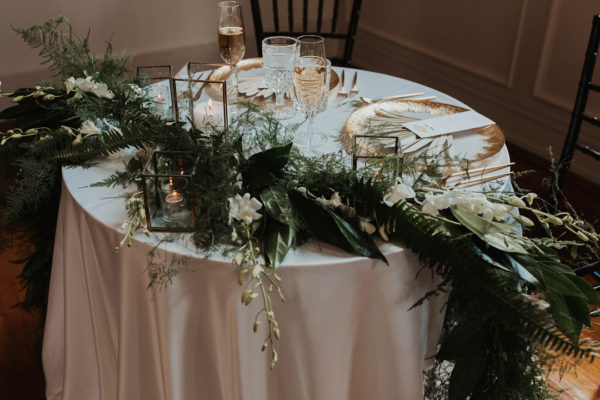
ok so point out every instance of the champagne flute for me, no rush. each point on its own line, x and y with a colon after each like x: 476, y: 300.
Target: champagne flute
x: 314, y: 45
x: 231, y: 38
x: 310, y: 74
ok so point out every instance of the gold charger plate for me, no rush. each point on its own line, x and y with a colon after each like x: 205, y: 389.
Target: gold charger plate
x: 473, y: 145
x: 251, y: 68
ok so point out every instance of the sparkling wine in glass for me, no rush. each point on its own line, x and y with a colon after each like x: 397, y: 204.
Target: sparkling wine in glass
x: 310, y: 73
x: 231, y: 36
x: 279, y: 53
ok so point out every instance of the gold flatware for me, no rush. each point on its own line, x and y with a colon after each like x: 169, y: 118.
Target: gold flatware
x: 400, y: 96
x: 354, y: 90
x: 476, y: 171
x: 342, y: 91
x: 426, y: 98
x: 480, y: 180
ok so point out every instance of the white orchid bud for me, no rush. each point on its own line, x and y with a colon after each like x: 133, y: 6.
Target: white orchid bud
x: 276, y: 332
x: 31, y: 131
x: 264, y: 346
x: 241, y: 276
x: 48, y: 97
x: 256, y: 325
x: 582, y: 236
x: 238, y: 259
x: 38, y: 93
x: 383, y: 234
x: 568, y: 219
x: 523, y: 220
x: 302, y: 190
x: 515, y: 201
x: 530, y: 197
x: 554, y: 220
x: 17, y: 99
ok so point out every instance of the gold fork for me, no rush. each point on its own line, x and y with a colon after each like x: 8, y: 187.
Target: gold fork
x: 354, y: 90
x: 342, y: 92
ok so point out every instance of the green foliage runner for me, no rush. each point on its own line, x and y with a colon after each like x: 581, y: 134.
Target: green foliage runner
x: 514, y: 299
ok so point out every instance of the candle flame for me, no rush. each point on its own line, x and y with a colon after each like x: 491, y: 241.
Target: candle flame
x: 210, y: 106
x: 171, y: 181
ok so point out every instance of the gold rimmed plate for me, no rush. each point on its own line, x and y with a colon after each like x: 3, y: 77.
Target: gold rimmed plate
x: 385, y: 119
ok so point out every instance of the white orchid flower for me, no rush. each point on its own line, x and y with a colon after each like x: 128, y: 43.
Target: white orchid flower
x: 87, y: 85
x: 429, y: 208
x: 366, y: 226
x: 244, y: 208
x: 335, y: 201
x: 399, y: 191
x: 89, y: 128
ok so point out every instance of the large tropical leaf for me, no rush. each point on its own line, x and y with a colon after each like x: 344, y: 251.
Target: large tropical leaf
x: 465, y: 376
x: 562, y: 316
x: 277, y: 203
x: 329, y: 227
x: 493, y: 233
x: 264, y: 168
x: 278, y: 239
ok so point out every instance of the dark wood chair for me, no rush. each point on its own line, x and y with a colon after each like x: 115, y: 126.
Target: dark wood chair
x: 327, y: 31
x: 579, y: 115
x: 572, y: 140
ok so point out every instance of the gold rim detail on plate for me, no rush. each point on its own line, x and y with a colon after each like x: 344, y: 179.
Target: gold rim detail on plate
x: 491, y: 138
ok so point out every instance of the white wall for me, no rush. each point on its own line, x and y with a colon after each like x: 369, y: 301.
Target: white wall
x: 157, y: 31
x: 517, y: 61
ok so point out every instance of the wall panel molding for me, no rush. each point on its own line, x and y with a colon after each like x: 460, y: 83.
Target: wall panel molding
x: 539, y: 89
x: 504, y: 80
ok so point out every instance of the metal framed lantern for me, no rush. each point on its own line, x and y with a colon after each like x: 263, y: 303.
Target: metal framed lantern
x: 370, y: 148
x: 168, y: 186
x: 160, y: 88
x: 203, y: 94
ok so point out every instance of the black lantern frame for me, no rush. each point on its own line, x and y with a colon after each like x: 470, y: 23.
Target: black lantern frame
x: 165, y: 172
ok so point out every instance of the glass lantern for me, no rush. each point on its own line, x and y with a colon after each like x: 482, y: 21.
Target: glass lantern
x: 168, y: 186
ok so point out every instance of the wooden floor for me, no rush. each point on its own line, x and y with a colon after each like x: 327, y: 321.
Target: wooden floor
x: 21, y: 374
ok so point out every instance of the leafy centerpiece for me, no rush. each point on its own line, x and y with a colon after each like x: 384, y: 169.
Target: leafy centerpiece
x: 513, y: 298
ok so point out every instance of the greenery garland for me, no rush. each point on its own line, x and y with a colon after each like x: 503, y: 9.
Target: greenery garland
x: 514, y: 298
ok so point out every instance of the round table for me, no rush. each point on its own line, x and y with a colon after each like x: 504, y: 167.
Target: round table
x: 347, y: 330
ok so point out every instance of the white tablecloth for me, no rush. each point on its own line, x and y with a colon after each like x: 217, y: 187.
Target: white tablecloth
x: 346, y: 328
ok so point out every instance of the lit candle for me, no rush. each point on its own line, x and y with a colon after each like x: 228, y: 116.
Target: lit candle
x: 174, y: 206
x: 159, y: 98
x: 207, y: 113
x: 174, y: 198
x: 161, y: 106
